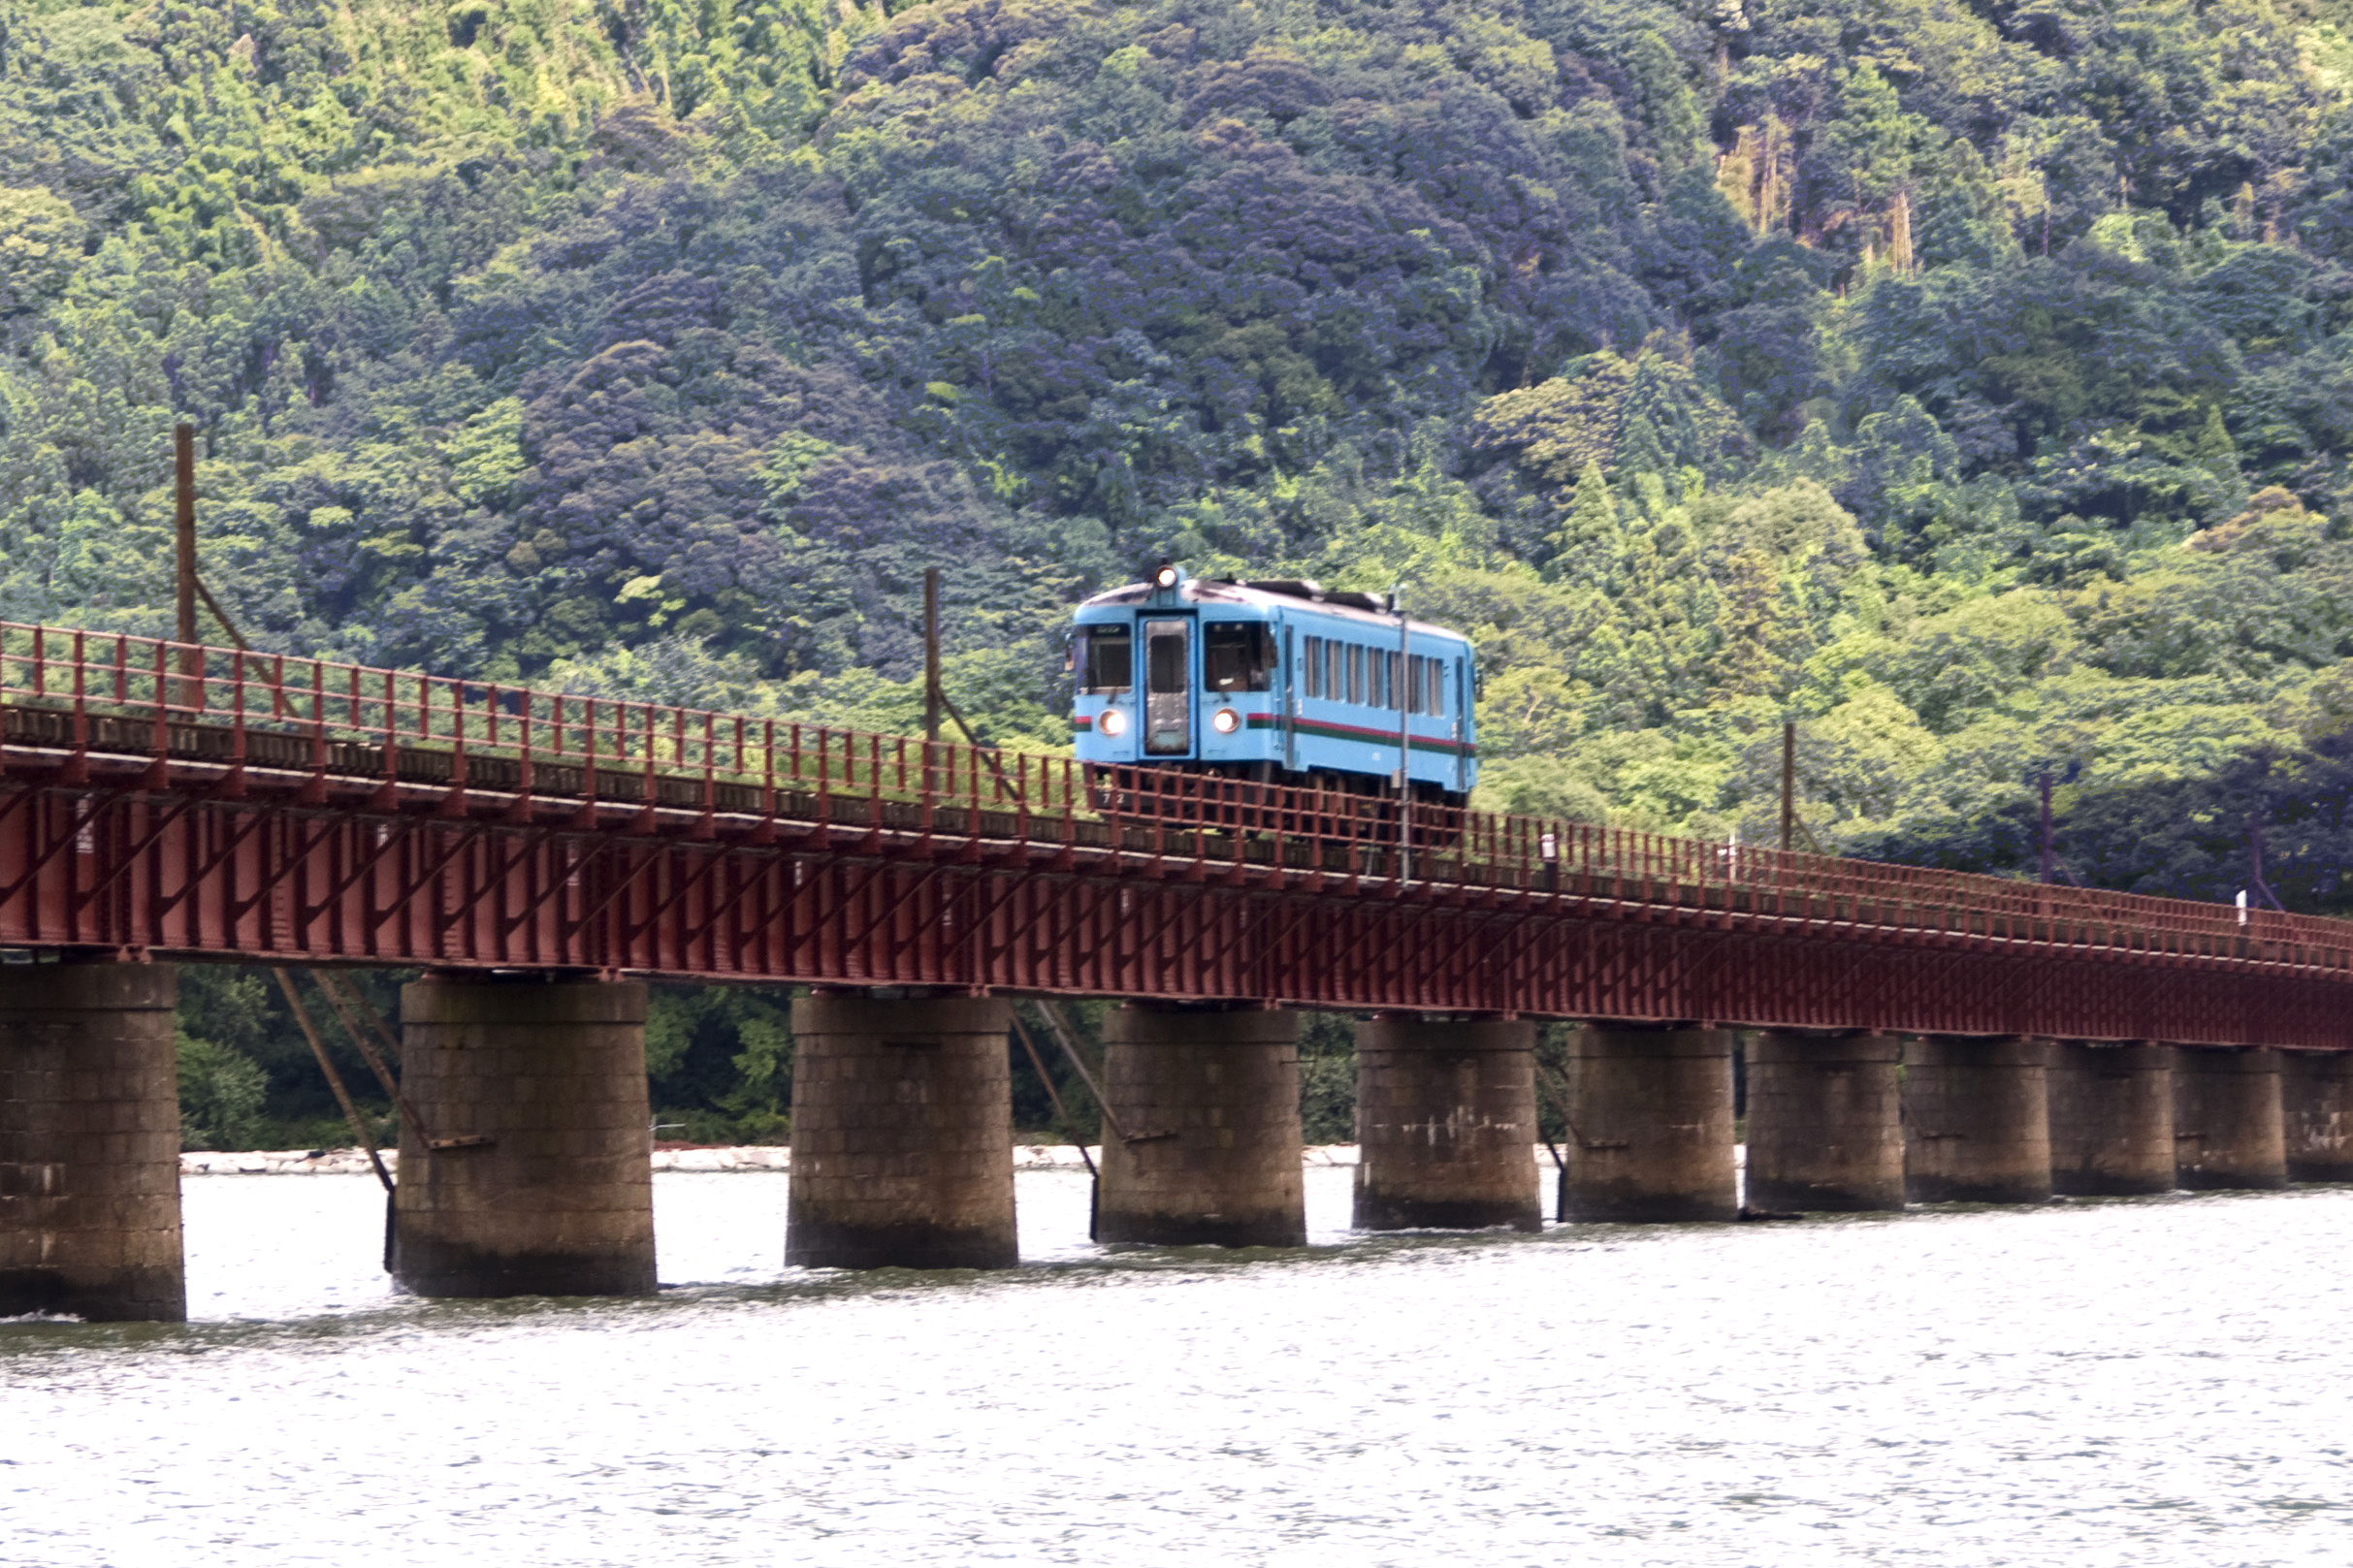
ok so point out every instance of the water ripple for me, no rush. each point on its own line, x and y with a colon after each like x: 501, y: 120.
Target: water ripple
x: 2144, y: 1382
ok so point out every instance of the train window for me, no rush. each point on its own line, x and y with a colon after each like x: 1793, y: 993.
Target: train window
x: 1437, y: 685
x: 1237, y: 656
x: 1356, y: 672
x: 1334, y: 690
x: 1108, y: 657
x: 1165, y: 653
x: 1311, y: 666
x: 1391, y: 686
x: 1422, y: 684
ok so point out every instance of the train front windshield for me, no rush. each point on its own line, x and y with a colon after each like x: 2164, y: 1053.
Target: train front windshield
x: 1109, y: 664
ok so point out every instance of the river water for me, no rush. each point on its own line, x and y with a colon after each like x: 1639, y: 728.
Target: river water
x: 2139, y: 1382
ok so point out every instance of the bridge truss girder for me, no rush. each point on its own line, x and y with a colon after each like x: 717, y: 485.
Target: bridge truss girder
x: 213, y: 865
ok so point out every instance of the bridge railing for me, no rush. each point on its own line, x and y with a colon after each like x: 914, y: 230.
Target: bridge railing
x: 1456, y: 844
x: 122, y: 694
x: 283, y: 711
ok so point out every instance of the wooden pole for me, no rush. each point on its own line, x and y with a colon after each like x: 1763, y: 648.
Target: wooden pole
x: 1788, y: 788
x: 1060, y: 1028
x: 935, y: 692
x: 183, y: 466
x: 1061, y: 1111
x: 360, y: 1133
x: 2047, y: 856
x: 184, y: 530
x: 1402, y: 689
x: 931, y: 653
x: 1070, y: 1129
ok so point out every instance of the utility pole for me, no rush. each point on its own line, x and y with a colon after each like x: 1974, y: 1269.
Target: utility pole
x: 2254, y: 847
x: 184, y: 528
x: 931, y: 653
x: 183, y: 474
x: 1788, y: 786
x: 936, y: 705
x: 1402, y: 689
x: 2049, y: 859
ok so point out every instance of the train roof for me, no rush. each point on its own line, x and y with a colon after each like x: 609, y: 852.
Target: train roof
x: 1370, y: 611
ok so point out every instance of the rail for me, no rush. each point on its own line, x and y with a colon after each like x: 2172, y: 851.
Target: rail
x: 93, y: 692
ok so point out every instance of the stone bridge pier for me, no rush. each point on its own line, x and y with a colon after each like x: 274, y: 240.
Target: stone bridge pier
x: 531, y: 1173
x: 1446, y: 1125
x: 90, y: 1143
x: 1976, y: 1120
x: 902, y: 1134
x: 2316, y: 1104
x: 2227, y: 1128
x: 2112, y: 1118
x: 1825, y: 1121
x: 1207, y: 1098
x: 1651, y: 1124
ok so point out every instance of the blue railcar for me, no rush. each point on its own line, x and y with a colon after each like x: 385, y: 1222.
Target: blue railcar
x: 1277, y: 682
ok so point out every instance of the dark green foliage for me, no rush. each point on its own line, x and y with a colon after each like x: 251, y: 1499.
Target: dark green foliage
x: 718, y: 1060
x: 2189, y: 838
x: 1866, y: 364
x: 248, y: 1079
x: 1327, y: 1079
x: 221, y: 1090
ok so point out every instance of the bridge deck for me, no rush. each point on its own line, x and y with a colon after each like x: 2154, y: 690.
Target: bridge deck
x: 200, y: 801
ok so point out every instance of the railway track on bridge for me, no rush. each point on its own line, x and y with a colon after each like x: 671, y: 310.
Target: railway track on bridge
x: 1919, y: 1035
x: 191, y: 801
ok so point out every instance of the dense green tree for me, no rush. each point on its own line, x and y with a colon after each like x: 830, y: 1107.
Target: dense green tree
x: 1968, y: 382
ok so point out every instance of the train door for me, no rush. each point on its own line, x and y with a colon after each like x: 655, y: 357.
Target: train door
x: 1461, y: 724
x: 1168, y: 688
x: 1290, y: 705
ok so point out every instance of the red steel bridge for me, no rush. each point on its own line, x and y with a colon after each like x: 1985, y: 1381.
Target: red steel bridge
x: 184, y: 801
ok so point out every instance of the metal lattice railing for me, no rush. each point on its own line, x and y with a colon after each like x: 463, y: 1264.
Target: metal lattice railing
x: 115, y: 693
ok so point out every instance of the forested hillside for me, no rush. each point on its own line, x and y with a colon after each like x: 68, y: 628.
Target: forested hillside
x: 1970, y: 382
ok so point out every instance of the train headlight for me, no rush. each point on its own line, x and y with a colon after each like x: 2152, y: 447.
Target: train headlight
x: 1166, y: 577
x: 1114, y: 722
x: 1225, y: 721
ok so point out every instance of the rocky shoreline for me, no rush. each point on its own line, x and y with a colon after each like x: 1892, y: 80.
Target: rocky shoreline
x: 353, y: 1162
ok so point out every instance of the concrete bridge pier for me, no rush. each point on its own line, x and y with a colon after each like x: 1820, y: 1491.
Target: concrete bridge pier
x: 1976, y: 1120
x: 1209, y: 1099
x: 2228, y: 1130
x: 558, y: 1197
x: 1825, y: 1121
x: 1446, y: 1125
x: 90, y: 1143
x: 2112, y: 1118
x: 902, y: 1134
x: 1652, y: 1133
x: 2316, y: 1104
